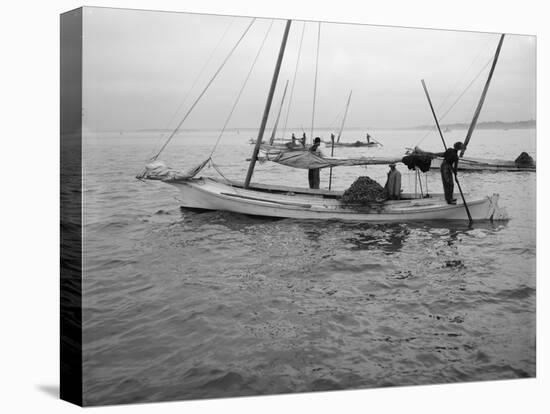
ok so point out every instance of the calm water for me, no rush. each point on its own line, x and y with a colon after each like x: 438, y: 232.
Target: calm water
x: 182, y: 305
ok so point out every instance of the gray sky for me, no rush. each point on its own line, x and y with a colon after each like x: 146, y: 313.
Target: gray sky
x: 139, y: 67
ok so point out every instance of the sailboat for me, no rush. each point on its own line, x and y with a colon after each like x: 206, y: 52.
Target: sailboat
x: 294, y: 143
x: 369, y: 141
x: 303, y: 203
x: 357, y: 144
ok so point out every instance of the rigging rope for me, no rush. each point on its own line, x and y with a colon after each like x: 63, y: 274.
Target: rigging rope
x: 241, y: 91
x: 315, y: 84
x: 204, y: 90
x: 459, y: 81
x: 274, y: 130
x: 457, y: 99
x: 199, y: 75
x: 336, y: 120
x: 294, y: 79
x: 220, y: 173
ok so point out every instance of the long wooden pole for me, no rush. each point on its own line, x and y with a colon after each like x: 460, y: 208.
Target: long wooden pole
x: 272, y: 138
x: 445, y: 146
x: 433, y: 113
x: 482, y: 99
x: 267, y: 106
x: 339, y: 135
x: 344, y: 118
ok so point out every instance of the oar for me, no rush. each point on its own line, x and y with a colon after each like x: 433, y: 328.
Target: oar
x: 445, y: 146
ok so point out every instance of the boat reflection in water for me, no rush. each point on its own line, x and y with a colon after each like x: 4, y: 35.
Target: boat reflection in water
x: 390, y: 238
x: 333, y: 235
x: 386, y: 238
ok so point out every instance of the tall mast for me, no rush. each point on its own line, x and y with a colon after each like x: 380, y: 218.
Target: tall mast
x: 315, y: 83
x: 267, y: 106
x: 344, y: 118
x: 278, y: 116
x: 482, y: 99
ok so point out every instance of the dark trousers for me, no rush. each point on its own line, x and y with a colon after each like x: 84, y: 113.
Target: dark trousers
x: 448, y: 183
x: 314, y: 178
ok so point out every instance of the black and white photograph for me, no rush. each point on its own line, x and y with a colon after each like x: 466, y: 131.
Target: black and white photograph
x: 275, y: 206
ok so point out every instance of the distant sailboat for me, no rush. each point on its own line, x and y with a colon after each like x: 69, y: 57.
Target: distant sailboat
x: 369, y: 141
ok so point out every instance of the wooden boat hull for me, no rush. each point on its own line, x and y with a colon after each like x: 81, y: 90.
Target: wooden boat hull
x: 284, y: 147
x: 281, y: 144
x: 357, y: 144
x: 210, y: 194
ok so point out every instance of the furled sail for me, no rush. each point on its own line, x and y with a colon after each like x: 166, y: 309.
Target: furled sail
x: 307, y: 160
x: 158, y: 170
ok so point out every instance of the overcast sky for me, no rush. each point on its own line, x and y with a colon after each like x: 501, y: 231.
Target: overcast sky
x: 139, y: 67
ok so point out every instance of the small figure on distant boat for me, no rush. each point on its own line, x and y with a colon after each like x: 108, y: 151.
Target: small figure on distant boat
x: 393, y: 183
x: 449, y: 167
x: 368, y: 138
x: 293, y: 139
x: 314, y: 176
x: 303, y: 140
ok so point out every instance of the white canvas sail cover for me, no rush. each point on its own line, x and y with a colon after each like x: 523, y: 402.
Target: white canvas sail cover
x: 158, y: 170
x: 307, y: 160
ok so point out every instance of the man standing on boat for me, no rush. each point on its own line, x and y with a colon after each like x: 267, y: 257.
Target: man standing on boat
x: 449, y: 167
x: 393, y: 183
x: 314, y: 176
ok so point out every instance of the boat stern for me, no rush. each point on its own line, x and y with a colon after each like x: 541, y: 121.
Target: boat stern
x: 495, y: 212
